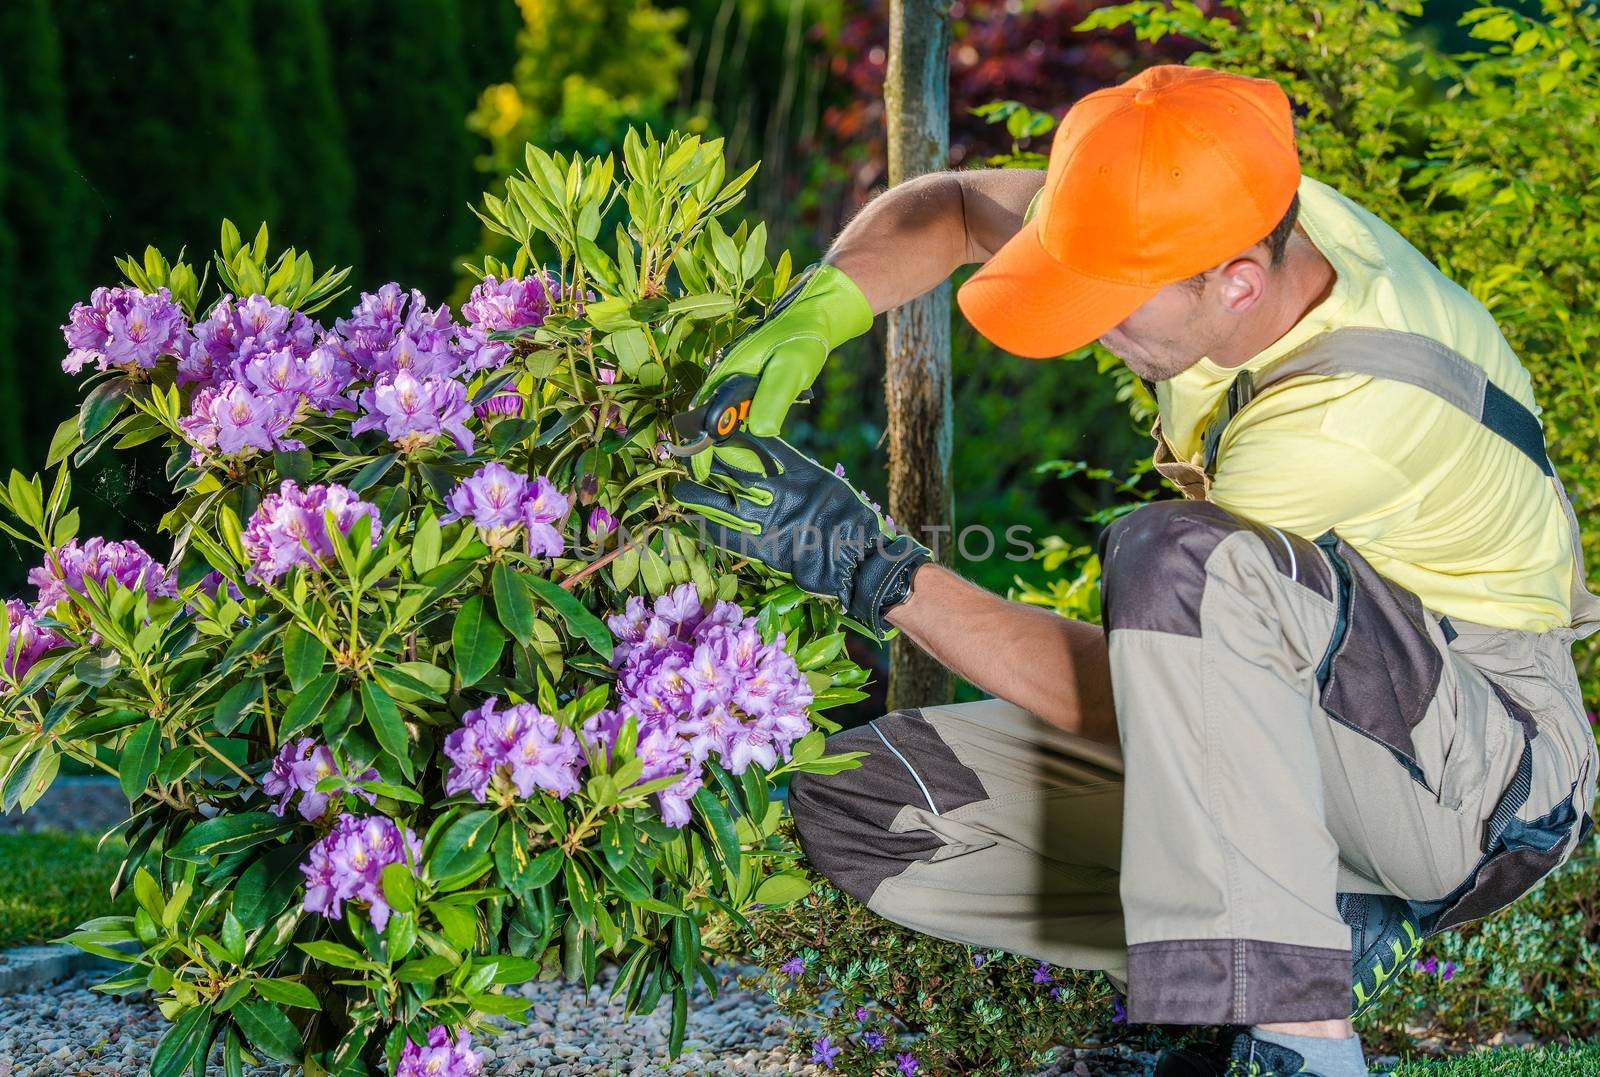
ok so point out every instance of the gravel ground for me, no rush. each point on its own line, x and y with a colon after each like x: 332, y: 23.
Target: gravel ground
x: 68, y: 1029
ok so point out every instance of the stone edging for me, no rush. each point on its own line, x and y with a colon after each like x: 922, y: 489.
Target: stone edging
x: 30, y: 968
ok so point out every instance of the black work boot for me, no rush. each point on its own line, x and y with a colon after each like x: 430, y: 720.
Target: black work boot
x: 1238, y: 1055
x: 1384, y: 936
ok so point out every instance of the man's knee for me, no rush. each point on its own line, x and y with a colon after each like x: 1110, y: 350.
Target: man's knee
x: 1154, y: 562
x: 844, y: 820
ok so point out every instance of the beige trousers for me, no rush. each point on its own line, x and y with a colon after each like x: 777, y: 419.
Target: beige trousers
x: 1293, y: 726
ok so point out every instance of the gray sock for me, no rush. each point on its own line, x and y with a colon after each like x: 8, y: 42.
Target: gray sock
x: 1329, y: 1058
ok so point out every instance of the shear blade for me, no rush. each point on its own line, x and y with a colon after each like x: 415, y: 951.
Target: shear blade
x: 698, y: 445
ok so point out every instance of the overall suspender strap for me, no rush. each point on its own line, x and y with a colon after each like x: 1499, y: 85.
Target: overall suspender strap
x: 1428, y: 365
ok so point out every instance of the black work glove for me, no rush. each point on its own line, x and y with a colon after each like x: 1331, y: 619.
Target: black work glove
x: 800, y: 519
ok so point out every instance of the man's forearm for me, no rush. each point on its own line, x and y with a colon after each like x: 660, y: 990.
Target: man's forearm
x: 1055, y: 667
x: 904, y: 243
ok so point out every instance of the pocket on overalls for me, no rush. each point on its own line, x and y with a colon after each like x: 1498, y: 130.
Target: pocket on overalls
x: 1382, y: 668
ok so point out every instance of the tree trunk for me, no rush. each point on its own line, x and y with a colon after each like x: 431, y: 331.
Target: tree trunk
x: 917, y: 376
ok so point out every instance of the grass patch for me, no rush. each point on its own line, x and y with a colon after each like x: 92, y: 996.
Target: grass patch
x: 1581, y: 1061
x: 51, y: 882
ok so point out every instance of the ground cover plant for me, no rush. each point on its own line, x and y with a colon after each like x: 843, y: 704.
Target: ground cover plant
x: 52, y: 882
x: 434, y: 689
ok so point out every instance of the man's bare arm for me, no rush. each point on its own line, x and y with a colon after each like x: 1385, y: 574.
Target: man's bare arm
x: 908, y: 240
x: 1057, y: 668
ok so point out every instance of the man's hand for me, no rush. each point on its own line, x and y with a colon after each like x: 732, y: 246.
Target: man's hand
x: 787, y: 348
x: 802, y: 520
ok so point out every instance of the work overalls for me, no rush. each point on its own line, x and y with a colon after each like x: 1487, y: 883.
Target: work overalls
x: 1293, y: 726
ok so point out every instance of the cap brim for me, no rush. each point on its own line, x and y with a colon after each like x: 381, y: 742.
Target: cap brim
x: 1031, y: 305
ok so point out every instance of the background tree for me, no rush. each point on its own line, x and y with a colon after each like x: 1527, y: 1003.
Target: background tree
x: 917, y: 380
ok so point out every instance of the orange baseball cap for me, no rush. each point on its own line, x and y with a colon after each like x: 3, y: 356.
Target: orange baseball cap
x: 1150, y: 183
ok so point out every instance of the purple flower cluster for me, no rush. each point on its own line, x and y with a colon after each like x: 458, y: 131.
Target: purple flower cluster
x: 66, y: 569
x: 519, y: 746
x: 347, y: 865
x: 700, y: 683
x: 26, y: 642
x: 500, y: 502
x: 439, y: 1057
x: 415, y: 358
x: 123, y: 327
x: 1432, y: 966
x: 298, y: 767
x: 793, y: 968
x: 260, y: 367
x: 290, y: 528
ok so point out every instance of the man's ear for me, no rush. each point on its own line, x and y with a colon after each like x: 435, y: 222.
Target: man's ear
x: 1242, y: 283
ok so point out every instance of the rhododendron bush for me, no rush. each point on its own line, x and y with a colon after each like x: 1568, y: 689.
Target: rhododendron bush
x: 434, y: 689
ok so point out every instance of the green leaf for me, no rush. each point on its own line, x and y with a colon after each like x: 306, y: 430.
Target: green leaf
x: 400, y: 887
x: 716, y: 817
x: 478, y: 641
x: 230, y: 709
x: 306, y: 707
x: 425, y: 545
x: 266, y: 887
x: 183, y: 1041
x: 631, y: 349
x: 384, y: 718
x: 460, y: 923
x: 372, y: 472
x: 783, y: 888
x: 268, y: 1029
x: 579, y: 619
x: 140, y: 753
x: 424, y: 969
x: 465, y: 846
x: 228, y: 834
x: 288, y: 993
x: 705, y: 305
x: 335, y: 954
x: 513, y: 603
x: 303, y: 656
x: 102, y: 406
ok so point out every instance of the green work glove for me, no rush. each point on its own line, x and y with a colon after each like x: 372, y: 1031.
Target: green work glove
x: 786, y: 349
x: 802, y: 520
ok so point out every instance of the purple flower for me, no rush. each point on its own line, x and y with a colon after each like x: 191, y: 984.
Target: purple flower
x: 906, y: 1063
x: 823, y: 1052
x: 601, y: 523
x: 978, y: 960
x: 231, y: 420
x: 543, y: 508
x: 1041, y: 975
x: 520, y: 747
x: 1119, y: 1013
x: 123, y: 327
x: 862, y: 1014
x: 1430, y: 966
x: 1449, y: 971
x: 493, y: 498
x: 68, y: 566
x: 1055, y: 994
x: 347, y: 865
x: 233, y: 334
x: 510, y: 304
x: 414, y: 411
x: 440, y: 1057
x: 289, y: 527
x: 794, y: 967
x: 26, y: 641
x: 392, y: 331
x: 298, y: 767
x: 499, y: 406
x: 873, y: 1040
x: 701, y: 685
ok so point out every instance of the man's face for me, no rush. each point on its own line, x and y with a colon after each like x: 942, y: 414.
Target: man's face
x: 1169, y: 333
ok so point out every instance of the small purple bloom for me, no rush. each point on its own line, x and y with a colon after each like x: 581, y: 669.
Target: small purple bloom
x: 794, y: 967
x: 290, y: 528
x: 1431, y: 965
x: 601, y: 523
x: 298, y: 767
x: 1448, y: 972
x: 1119, y: 1013
x: 124, y: 327
x: 414, y: 411
x: 347, y: 865
x: 978, y: 961
x: 520, y: 746
x: 1055, y: 994
x: 823, y: 1052
x: 499, y: 406
x: 1041, y: 975
x: 862, y: 1014
x: 69, y: 565
x: 509, y: 304
x: 440, y: 1057
x: 26, y: 641
x: 544, y: 507
x: 906, y: 1063
x: 493, y: 498
x: 873, y: 1040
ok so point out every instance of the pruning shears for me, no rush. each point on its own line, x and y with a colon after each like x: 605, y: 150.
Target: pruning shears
x: 719, y: 418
